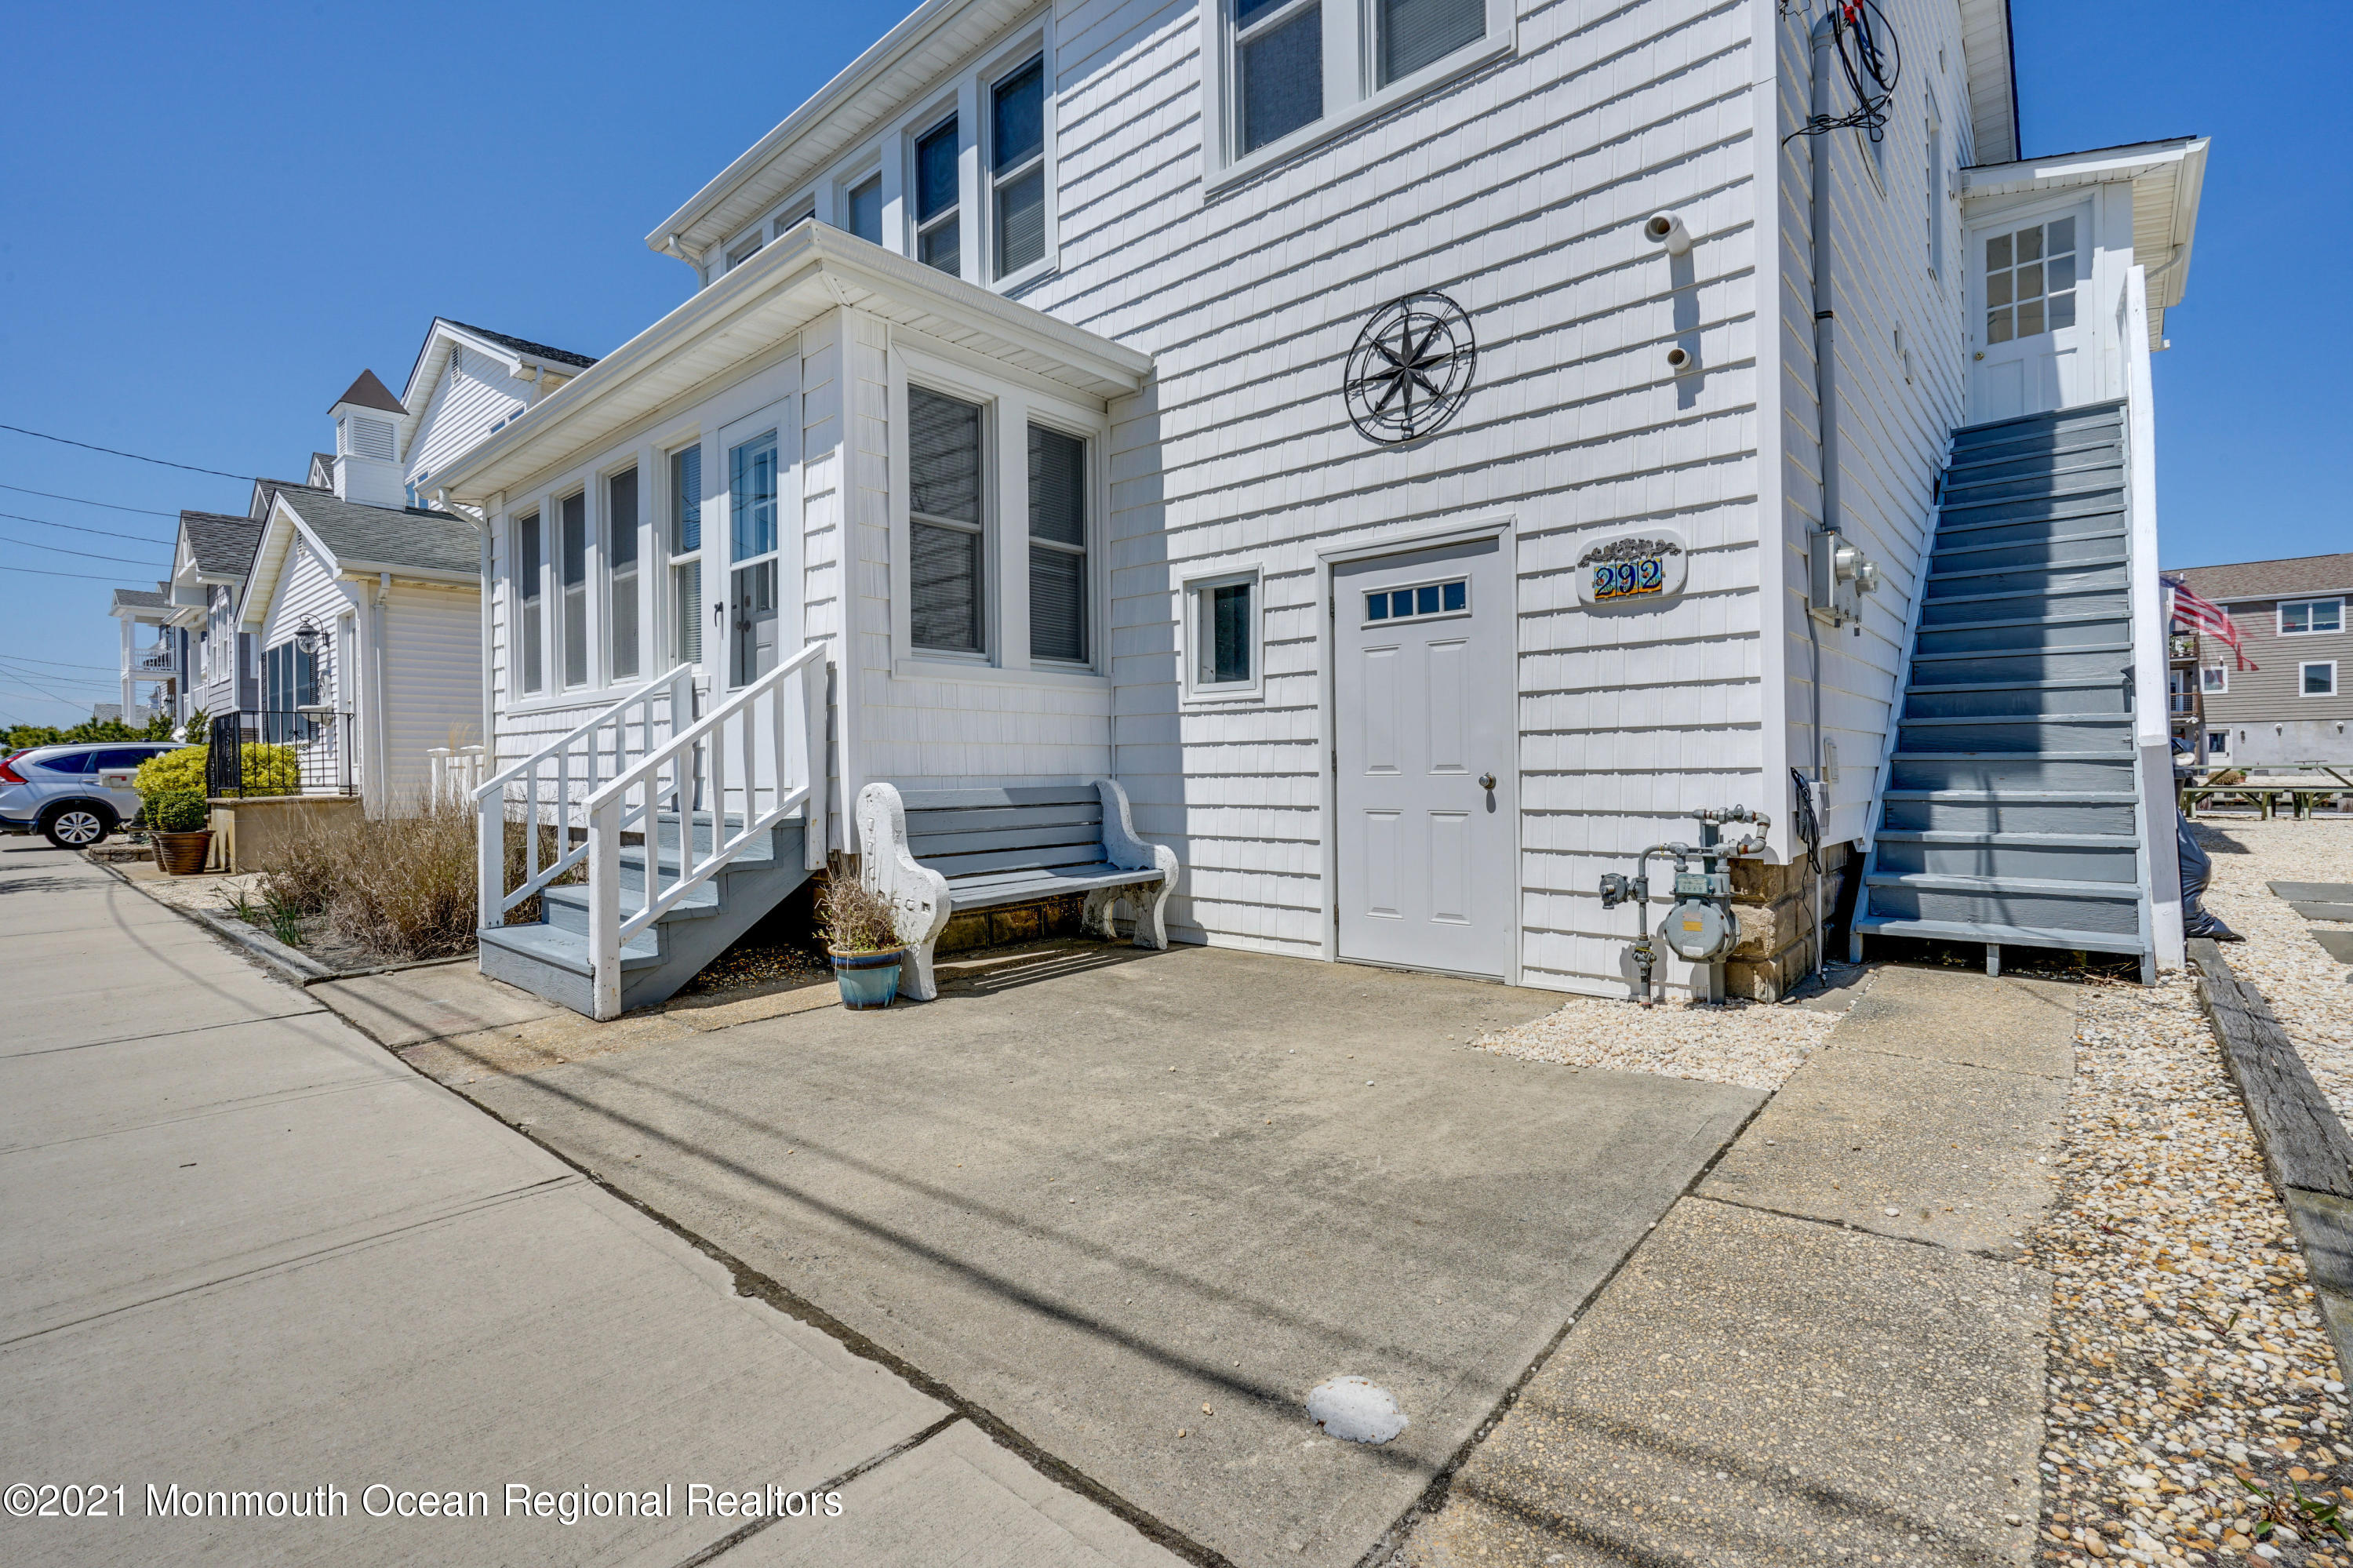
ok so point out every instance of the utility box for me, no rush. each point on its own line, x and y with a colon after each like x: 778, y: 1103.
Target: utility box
x: 1837, y: 578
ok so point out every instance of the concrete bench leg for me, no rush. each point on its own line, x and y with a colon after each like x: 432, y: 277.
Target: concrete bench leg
x: 1095, y: 919
x: 1150, y: 902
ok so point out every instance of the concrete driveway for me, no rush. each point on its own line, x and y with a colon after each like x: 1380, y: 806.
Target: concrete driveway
x: 1125, y: 1211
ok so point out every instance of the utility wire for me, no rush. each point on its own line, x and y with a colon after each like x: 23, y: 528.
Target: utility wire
x: 92, y: 577
x: 61, y: 664
x: 62, y: 550
x: 135, y: 457
x: 85, y: 501
x: 109, y: 533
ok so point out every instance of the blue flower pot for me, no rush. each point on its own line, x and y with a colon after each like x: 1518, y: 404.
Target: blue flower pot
x: 867, y: 979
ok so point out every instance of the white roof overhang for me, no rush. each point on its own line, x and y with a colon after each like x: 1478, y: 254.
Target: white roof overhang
x: 2167, y: 178
x: 1988, y: 48
x: 813, y: 269
x: 936, y: 37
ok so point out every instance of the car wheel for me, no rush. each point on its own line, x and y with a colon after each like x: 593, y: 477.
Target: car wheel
x: 77, y: 826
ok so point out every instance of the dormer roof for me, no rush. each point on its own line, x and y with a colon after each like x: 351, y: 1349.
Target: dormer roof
x: 518, y: 357
x: 367, y: 392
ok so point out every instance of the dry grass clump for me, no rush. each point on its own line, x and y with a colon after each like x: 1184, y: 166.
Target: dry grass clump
x: 401, y: 885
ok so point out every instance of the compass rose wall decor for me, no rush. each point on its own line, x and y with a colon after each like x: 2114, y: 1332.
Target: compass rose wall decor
x: 1411, y: 369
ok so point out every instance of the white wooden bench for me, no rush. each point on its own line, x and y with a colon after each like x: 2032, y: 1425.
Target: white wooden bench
x: 934, y: 852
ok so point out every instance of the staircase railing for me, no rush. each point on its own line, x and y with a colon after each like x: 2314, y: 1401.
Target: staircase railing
x: 557, y: 780
x: 756, y: 758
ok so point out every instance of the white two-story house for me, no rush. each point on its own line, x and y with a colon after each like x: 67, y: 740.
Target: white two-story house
x: 1424, y: 453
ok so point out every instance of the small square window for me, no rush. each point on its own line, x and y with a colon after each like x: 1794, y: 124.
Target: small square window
x: 2218, y: 742
x: 1223, y: 618
x: 2319, y: 680
x: 2214, y: 678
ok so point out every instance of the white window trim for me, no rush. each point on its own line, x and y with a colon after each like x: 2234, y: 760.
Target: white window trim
x: 956, y: 105
x: 1008, y: 408
x: 2303, y: 665
x: 1254, y: 690
x: 2279, y: 617
x: 1350, y: 72
x: 2221, y: 674
x: 1039, y: 47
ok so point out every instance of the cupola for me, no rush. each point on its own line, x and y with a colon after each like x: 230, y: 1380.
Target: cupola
x: 367, y: 444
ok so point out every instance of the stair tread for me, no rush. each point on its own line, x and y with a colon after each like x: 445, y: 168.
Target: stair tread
x: 2086, y: 459
x: 1935, y: 550
x: 1954, y: 882
x: 701, y: 903
x: 1971, y: 836
x: 2085, y: 619
x: 568, y: 950
x: 2013, y: 595
x: 2055, y: 493
x: 1997, y: 796
x: 2068, y: 444
x: 2045, y: 683
x: 2018, y: 718
x: 2015, y: 569
x: 2023, y: 652
x: 2069, y: 514
x: 2006, y: 757
x: 2017, y: 935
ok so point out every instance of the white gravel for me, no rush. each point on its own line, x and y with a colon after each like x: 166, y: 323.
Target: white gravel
x: 2306, y: 987
x: 1753, y: 1044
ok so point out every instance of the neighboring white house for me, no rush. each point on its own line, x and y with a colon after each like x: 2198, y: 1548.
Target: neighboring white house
x: 1240, y: 401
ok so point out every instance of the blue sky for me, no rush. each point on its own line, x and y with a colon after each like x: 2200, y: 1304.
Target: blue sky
x: 212, y: 218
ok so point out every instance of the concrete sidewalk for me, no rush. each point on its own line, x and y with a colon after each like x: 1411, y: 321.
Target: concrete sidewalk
x: 252, y: 1256
x: 1829, y: 1352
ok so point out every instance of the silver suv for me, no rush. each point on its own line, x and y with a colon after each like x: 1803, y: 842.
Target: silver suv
x: 75, y: 794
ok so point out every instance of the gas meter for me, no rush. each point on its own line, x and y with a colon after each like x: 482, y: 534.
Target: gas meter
x: 1700, y: 928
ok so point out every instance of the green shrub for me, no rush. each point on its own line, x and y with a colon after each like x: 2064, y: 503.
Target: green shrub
x: 178, y: 811
x: 269, y: 770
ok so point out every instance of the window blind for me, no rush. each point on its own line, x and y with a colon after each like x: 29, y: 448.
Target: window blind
x: 1416, y: 33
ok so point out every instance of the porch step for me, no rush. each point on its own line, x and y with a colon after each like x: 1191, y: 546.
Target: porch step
x: 2011, y: 810
x: 551, y: 959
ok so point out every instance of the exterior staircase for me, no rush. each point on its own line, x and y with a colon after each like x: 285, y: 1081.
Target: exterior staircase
x: 551, y: 958
x: 2011, y: 810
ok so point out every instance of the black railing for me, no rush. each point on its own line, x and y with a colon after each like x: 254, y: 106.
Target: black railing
x: 292, y: 751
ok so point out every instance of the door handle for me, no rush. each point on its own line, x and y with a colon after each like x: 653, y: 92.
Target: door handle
x: 1486, y: 781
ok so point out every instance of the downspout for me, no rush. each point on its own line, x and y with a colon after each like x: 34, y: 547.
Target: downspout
x: 1824, y: 39
x: 489, y: 705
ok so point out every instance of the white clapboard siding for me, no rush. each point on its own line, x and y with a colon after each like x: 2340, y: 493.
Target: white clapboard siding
x: 1893, y: 432
x: 432, y: 682
x: 474, y: 393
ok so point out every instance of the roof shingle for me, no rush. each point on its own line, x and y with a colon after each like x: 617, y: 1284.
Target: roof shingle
x: 388, y: 535
x: 524, y: 346
x: 2295, y: 578
x: 221, y: 544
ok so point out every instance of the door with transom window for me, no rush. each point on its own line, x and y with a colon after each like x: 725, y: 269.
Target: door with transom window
x: 2032, y: 340
x: 1422, y: 688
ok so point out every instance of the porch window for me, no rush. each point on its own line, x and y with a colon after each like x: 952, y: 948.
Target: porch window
x: 752, y: 512
x: 1417, y: 32
x: 530, y: 568
x: 2030, y: 280
x: 863, y: 202
x: 1057, y: 545
x: 622, y: 573
x: 1223, y: 622
x: 2299, y: 618
x: 1278, y: 67
x: 936, y: 242
x: 944, y: 526
x: 1018, y: 166
x: 573, y: 511
x: 685, y: 554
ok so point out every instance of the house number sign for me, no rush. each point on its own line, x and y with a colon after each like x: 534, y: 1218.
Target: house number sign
x: 1632, y: 569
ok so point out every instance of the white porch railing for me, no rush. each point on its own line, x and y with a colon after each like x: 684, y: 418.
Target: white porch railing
x: 457, y: 773
x: 555, y: 781
x: 751, y: 762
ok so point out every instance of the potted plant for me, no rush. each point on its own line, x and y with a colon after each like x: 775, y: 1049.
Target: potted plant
x: 177, y: 819
x: 862, y: 935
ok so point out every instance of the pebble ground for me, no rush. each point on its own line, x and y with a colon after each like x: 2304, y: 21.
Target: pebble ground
x: 2306, y: 987
x: 2187, y: 1354
x: 1752, y: 1043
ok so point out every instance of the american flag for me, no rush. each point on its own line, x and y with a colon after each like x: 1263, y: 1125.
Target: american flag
x: 2194, y: 612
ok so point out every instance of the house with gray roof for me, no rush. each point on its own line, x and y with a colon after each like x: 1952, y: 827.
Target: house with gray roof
x: 2285, y: 695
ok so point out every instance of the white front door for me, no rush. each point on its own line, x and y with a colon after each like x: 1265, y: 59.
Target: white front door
x: 1428, y: 783
x: 2032, y: 344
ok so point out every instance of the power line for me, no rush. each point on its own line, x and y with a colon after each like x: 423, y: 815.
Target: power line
x: 62, y: 550
x: 91, y: 576
x: 109, y: 533
x: 61, y: 664
x: 135, y: 457
x: 85, y: 501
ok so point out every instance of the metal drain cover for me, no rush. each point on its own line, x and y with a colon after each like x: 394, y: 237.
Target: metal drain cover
x: 1357, y: 1410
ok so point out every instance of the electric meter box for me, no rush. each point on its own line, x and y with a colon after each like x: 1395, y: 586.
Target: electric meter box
x: 1703, y: 884
x: 1697, y: 931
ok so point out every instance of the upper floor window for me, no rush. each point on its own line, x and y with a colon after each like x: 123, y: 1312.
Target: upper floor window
x: 792, y: 217
x: 1288, y: 66
x: 1017, y: 166
x: 747, y: 250
x: 862, y: 209
x: 2300, y: 617
x: 937, y: 243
